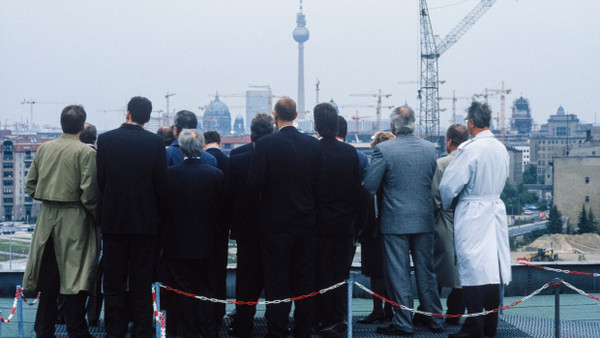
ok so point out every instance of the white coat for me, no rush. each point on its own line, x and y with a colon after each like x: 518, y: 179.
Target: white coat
x: 477, y: 176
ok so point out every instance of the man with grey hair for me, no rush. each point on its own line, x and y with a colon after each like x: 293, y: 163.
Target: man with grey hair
x: 477, y: 176
x: 185, y: 119
x: 404, y: 167
x: 195, y: 197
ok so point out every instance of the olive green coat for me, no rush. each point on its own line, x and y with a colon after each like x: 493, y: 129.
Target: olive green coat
x: 444, y: 262
x: 63, y: 177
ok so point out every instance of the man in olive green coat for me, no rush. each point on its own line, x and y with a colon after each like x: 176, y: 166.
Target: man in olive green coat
x: 66, y: 244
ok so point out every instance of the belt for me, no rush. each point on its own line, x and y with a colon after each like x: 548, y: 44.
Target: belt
x: 480, y: 198
x: 55, y: 204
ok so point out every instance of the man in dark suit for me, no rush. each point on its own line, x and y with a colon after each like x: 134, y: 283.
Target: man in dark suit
x: 185, y: 119
x: 287, y: 168
x: 337, y: 216
x: 241, y: 149
x: 212, y: 146
x: 404, y: 166
x: 244, y: 229
x: 195, y: 198
x: 132, y: 175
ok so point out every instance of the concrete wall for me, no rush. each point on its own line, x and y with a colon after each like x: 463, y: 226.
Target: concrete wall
x: 571, y: 189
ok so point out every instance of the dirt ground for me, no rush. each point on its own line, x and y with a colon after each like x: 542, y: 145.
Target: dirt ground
x: 568, y: 247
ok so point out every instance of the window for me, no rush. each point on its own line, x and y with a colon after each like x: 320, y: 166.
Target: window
x: 7, y: 174
x: 28, y: 199
x: 8, y: 156
x: 28, y: 155
x: 8, y: 212
x: 7, y: 165
x: 587, y: 180
x: 7, y: 200
x: 587, y: 199
x: 27, y: 164
x: 7, y: 182
x: 8, y: 191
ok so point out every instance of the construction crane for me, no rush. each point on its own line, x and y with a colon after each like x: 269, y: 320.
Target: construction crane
x: 317, y: 89
x: 31, y: 102
x: 430, y: 53
x: 379, y: 96
x: 356, y: 118
x: 167, y: 98
x: 501, y: 118
x: 454, y: 98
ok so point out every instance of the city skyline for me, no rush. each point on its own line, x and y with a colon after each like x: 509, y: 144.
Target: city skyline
x: 101, y: 54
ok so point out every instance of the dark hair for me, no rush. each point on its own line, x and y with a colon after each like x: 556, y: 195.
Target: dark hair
x: 185, y: 119
x: 212, y: 137
x: 261, y: 125
x: 480, y: 114
x: 326, y: 120
x: 166, y: 132
x: 140, y: 109
x: 342, y: 128
x: 72, y: 119
x: 89, y: 134
x: 286, y: 109
x: 457, y: 133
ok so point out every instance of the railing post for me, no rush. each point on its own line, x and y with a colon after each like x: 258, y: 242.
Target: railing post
x: 0, y: 324
x: 20, y: 311
x: 157, y: 325
x: 557, y: 282
x: 350, y: 287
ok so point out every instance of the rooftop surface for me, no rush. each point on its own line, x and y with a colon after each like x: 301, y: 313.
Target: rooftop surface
x: 580, y: 317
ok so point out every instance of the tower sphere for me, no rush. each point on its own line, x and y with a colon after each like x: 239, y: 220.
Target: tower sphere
x: 301, y: 34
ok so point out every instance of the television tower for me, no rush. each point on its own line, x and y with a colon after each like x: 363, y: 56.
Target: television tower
x: 300, y: 34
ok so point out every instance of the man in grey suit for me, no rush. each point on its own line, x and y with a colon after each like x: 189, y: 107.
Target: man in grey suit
x: 404, y: 166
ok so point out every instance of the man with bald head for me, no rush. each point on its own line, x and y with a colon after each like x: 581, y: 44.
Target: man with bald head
x: 404, y: 167
x: 287, y: 169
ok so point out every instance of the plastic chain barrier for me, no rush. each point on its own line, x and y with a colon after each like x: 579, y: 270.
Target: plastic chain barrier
x: 159, y: 317
x: 224, y: 301
x: 25, y: 299
x: 581, y: 292
x: 14, y: 308
x: 430, y: 314
x: 559, y: 270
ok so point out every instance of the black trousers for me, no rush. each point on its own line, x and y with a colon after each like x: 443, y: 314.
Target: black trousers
x: 74, y: 305
x: 191, y: 317
x: 128, y: 264
x: 333, y: 266
x: 478, y: 298
x: 249, y: 282
x: 220, y: 253
x: 289, y: 265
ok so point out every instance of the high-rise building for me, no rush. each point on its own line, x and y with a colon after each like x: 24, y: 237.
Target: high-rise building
x: 238, y: 125
x: 301, y: 36
x: 258, y: 101
x: 521, y: 116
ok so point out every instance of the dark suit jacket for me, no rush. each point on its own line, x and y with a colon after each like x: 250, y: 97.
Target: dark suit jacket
x: 288, y: 169
x: 241, y: 149
x: 340, y: 206
x: 243, y: 199
x: 222, y: 159
x: 195, y: 197
x: 132, y: 176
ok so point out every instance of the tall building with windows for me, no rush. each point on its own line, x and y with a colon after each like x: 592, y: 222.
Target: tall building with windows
x: 561, y: 131
x: 257, y: 101
x: 17, y: 156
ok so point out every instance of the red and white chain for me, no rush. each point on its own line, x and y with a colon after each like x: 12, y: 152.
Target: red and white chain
x: 14, y: 307
x: 158, y: 316
x: 581, y: 292
x: 593, y: 274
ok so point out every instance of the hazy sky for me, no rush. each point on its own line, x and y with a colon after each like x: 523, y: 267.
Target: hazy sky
x: 101, y: 53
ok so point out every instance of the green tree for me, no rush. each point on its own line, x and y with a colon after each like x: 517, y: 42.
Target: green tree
x: 592, y: 220
x: 530, y: 174
x: 554, y: 224
x: 583, y: 222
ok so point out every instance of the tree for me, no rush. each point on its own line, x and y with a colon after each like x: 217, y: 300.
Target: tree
x: 583, y: 222
x: 554, y: 224
x: 530, y: 175
x: 592, y: 220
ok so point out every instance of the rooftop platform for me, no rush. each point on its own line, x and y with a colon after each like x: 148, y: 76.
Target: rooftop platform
x: 580, y: 317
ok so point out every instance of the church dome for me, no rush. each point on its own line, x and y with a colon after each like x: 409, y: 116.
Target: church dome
x: 560, y: 110
x: 217, y: 117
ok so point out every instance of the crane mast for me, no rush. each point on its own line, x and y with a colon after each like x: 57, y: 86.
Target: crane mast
x: 430, y: 53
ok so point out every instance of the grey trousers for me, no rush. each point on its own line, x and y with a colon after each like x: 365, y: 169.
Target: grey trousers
x: 396, y: 270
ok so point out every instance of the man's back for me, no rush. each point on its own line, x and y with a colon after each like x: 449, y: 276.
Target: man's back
x: 244, y: 217
x: 287, y: 168
x: 132, y: 179
x: 405, y: 166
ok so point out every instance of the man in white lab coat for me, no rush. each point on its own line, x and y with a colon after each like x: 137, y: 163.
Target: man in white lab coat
x: 477, y: 176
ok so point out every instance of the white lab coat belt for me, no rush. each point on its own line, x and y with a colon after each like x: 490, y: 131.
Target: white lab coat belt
x: 482, y: 198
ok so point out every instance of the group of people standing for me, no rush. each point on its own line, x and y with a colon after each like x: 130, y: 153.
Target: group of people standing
x: 295, y: 205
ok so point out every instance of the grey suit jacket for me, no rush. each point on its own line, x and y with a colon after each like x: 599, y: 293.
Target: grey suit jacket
x: 404, y: 166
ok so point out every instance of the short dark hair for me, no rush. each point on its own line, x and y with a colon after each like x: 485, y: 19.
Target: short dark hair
x: 185, y: 119
x: 261, y: 125
x: 89, y: 134
x: 457, y: 133
x: 166, y: 132
x: 286, y: 109
x: 342, y: 128
x: 72, y: 119
x: 326, y: 120
x: 140, y: 109
x: 212, y: 136
x: 480, y: 114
